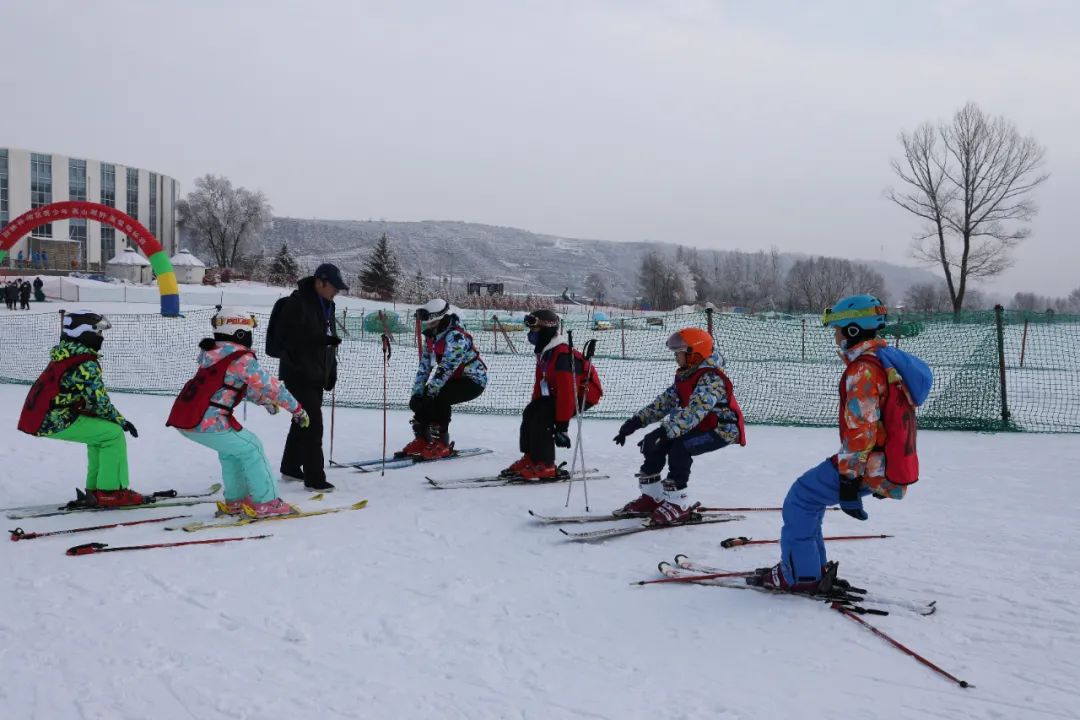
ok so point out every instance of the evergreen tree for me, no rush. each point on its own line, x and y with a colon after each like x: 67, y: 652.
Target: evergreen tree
x: 381, y: 271
x: 283, y: 268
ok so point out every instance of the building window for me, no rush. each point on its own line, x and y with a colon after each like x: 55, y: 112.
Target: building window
x: 108, y: 185
x: 153, y: 205
x: 108, y: 243
x: 3, y: 188
x: 77, y: 180
x: 77, y: 233
x: 133, y: 193
x: 41, y: 188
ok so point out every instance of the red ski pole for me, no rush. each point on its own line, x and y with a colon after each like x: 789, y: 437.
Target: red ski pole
x: 746, y: 509
x: 91, y: 548
x: 740, y: 541
x: 20, y: 534
x: 386, y: 361
x: 691, y: 578
x: 839, y: 607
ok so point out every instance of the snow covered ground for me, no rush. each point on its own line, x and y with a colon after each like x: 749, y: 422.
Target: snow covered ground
x: 452, y: 604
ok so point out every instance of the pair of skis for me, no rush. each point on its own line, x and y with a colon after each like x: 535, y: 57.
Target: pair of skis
x: 398, y: 463
x: 243, y: 520
x: 161, y: 498
x: 847, y: 600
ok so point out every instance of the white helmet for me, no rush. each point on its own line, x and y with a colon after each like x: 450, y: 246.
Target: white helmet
x: 86, y: 327
x: 431, y: 313
x: 234, y: 324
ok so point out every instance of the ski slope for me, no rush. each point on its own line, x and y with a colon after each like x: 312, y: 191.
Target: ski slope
x: 453, y: 604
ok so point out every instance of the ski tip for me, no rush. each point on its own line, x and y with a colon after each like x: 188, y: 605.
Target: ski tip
x: 663, y: 566
x: 316, y: 498
x: 359, y: 505
x: 216, y: 487
x: 564, y: 532
x: 680, y: 559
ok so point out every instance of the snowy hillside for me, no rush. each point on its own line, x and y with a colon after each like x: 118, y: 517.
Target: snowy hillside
x: 529, y: 262
x: 452, y: 604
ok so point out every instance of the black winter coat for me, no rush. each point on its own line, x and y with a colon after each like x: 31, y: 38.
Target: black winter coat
x: 307, y: 358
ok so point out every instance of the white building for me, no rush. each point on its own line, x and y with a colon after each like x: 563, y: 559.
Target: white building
x: 129, y: 265
x: 189, y: 269
x: 30, y: 179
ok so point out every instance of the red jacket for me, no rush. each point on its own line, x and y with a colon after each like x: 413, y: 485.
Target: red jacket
x: 554, y: 379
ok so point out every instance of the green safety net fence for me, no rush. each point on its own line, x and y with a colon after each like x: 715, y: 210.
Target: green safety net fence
x: 785, y: 368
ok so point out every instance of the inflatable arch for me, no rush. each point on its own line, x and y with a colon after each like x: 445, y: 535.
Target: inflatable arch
x: 136, y: 232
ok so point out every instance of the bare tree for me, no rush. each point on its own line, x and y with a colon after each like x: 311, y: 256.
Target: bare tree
x: 596, y: 285
x: 927, y: 297
x: 970, y: 182
x: 223, y: 220
x: 817, y: 282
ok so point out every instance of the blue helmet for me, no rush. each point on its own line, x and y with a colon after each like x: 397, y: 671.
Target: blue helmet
x: 863, y: 311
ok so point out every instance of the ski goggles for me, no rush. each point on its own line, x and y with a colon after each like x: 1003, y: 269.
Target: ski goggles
x: 676, y: 343
x: 832, y: 318
x: 532, y: 321
x: 425, y: 315
x: 241, y: 320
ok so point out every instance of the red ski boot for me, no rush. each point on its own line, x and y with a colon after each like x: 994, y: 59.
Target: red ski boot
x: 516, y: 467
x: 675, y: 508
x: 117, y: 498
x: 539, y: 471
x: 652, y: 492
x: 417, y: 444
x: 773, y: 579
x: 439, y: 446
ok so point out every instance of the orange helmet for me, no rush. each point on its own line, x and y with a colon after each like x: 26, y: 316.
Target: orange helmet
x: 695, y: 342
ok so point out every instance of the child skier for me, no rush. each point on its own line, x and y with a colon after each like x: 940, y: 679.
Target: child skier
x: 203, y: 412
x: 879, y: 390
x: 545, y: 422
x: 697, y: 414
x: 69, y: 402
x: 451, y: 372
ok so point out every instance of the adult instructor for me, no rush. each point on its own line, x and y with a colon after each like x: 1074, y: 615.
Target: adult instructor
x: 308, y: 341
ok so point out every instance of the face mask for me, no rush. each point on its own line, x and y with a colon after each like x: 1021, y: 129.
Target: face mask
x: 534, y: 337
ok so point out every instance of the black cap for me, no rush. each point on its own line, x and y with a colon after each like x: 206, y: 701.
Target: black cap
x: 331, y: 274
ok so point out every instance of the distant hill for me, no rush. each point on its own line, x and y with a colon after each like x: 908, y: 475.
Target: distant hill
x: 525, y: 261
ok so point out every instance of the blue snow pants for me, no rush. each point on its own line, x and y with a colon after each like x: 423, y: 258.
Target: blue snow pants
x: 802, y: 549
x: 679, y: 454
x: 244, y: 468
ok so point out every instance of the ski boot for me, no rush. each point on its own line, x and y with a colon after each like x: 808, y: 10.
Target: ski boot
x: 272, y: 508
x: 773, y: 579
x: 652, y: 492
x: 232, y: 507
x: 516, y: 467
x: 116, y: 498
x: 539, y: 471
x: 439, y: 444
x: 415, y: 446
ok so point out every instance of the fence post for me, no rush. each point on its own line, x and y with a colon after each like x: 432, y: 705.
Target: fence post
x: 708, y: 320
x: 622, y: 328
x: 804, y: 339
x: 495, y: 331
x: 1023, y: 343
x: 999, y: 316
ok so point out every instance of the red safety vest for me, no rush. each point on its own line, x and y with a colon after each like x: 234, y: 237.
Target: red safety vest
x: 589, y: 389
x: 439, y: 348
x: 898, y: 419
x: 197, y: 395
x: 39, y: 401
x: 685, y: 388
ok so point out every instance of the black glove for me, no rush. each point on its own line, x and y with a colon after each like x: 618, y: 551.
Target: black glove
x: 654, y: 442
x: 562, y: 439
x: 129, y: 428
x: 628, y: 428
x: 850, y: 502
x: 333, y: 340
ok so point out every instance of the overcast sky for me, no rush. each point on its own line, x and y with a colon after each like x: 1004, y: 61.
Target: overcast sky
x: 718, y: 124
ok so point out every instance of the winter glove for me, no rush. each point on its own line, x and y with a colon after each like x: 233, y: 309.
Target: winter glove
x: 655, y: 442
x: 129, y: 428
x: 562, y: 438
x: 850, y: 502
x: 333, y: 340
x: 628, y: 428
x: 302, y: 419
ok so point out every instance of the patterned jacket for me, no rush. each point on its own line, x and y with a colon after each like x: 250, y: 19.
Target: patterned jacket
x: 262, y: 387
x: 459, y: 352
x: 709, y: 395
x: 862, y: 432
x: 82, y: 392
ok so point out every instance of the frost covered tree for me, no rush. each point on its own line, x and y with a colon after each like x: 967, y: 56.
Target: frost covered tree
x: 381, y: 270
x: 283, y: 268
x: 221, y: 220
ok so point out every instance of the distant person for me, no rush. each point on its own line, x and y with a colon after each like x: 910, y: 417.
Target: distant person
x: 39, y: 290
x: 451, y: 372
x: 303, y: 335
x: 24, y: 295
x: 11, y: 294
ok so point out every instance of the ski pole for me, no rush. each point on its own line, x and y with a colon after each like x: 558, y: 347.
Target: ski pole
x: 839, y: 607
x: 734, y: 542
x: 20, y: 534
x: 692, y: 578
x: 746, y: 509
x: 91, y: 548
x: 578, y: 449
x: 386, y: 362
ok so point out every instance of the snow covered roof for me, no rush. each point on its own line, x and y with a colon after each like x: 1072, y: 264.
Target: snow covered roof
x: 184, y: 258
x: 128, y: 257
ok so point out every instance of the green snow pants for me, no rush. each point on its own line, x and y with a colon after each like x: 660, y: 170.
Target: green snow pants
x: 106, y: 451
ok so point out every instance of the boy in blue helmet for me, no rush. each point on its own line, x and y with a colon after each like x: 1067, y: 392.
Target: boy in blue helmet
x: 879, y: 390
